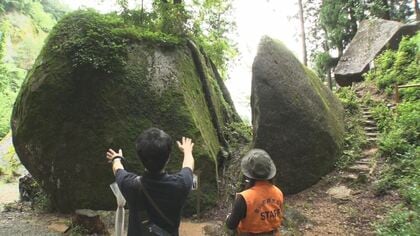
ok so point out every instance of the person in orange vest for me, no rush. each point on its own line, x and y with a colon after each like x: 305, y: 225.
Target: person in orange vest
x: 258, y: 210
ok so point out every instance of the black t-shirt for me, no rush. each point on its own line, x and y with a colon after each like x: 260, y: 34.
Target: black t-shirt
x: 168, y: 191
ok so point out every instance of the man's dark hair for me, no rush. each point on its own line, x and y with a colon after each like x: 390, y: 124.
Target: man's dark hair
x: 153, y: 147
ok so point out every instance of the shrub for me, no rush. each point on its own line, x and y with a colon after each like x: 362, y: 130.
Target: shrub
x: 400, y: 136
x: 401, y: 221
x: 382, y: 115
x: 397, y: 67
x: 354, y: 138
x: 349, y: 99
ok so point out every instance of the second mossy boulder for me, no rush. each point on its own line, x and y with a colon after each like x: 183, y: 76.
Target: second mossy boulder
x: 295, y: 118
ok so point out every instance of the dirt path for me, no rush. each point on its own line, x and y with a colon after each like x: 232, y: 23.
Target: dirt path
x: 350, y: 215
x: 9, y: 192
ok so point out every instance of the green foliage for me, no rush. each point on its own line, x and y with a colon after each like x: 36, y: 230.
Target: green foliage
x: 382, y: 115
x: 18, y: 5
x: 399, y: 10
x: 10, y: 80
x: 211, y: 26
x: 170, y: 18
x: 401, y: 131
x: 323, y: 62
x: 400, y: 136
x: 339, y: 19
x: 43, y: 12
x: 11, y: 166
x: 354, y: 138
x: 55, y: 7
x: 398, y: 67
x: 41, y: 201
x: 207, y: 22
x: 399, y: 142
x: 44, y: 20
x: 99, y: 41
x: 238, y: 133
x: 401, y: 221
x: 349, y: 99
x: 89, y: 41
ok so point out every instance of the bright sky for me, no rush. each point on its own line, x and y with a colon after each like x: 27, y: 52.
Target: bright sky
x: 253, y: 19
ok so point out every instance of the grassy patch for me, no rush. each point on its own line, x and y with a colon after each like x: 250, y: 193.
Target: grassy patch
x: 9, y: 171
x: 354, y: 136
x: 399, y: 141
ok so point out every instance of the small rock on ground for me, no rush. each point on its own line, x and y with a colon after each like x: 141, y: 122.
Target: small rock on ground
x: 340, y: 192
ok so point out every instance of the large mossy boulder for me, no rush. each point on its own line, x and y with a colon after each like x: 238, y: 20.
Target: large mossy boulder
x: 295, y: 118
x: 97, y: 84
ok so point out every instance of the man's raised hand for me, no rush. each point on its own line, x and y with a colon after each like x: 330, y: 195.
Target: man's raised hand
x: 186, y: 145
x: 110, y: 154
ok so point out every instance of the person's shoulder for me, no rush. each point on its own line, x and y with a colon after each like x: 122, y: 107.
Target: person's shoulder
x: 278, y: 190
x: 182, y: 178
x: 186, y: 171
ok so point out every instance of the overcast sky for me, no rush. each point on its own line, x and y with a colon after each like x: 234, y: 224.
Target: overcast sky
x: 254, y: 19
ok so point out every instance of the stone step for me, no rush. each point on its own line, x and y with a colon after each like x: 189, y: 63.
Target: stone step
x: 372, y: 140
x: 359, y: 168
x: 370, y: 128
x: 372, y: 134
x: 349, y: 177
x: 369, y: 122
x: 359, y: 178
x: 364, y: 161
x: 368, y: 118
x: 370, y: 152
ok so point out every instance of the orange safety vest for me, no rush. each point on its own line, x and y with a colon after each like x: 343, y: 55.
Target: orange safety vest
x: 264, y: 208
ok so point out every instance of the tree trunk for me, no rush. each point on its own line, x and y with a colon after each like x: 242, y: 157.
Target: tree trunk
x: 329, y: 79
x: 417, y: 10
x: 387, y: 14
x: 303, y: 36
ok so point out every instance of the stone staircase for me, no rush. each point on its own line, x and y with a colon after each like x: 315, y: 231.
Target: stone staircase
x: 360, y: 172
x: 369, y: 125
x: 362, y: 169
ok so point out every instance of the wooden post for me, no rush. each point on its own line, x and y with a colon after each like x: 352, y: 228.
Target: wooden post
x: 397, y: 95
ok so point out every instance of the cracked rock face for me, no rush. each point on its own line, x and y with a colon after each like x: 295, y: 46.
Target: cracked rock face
x: 295, y: 118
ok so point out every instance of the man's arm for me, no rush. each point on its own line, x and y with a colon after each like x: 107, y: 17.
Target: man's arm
x: 186, y: 146
x: 238, y: 213
x: 115, y: 157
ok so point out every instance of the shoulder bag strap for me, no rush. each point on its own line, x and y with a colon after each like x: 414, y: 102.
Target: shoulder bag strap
x: 143, y: 189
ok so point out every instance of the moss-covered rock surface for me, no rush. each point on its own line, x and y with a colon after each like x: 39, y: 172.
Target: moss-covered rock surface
x: 97, y: 84
x: 295, y: 118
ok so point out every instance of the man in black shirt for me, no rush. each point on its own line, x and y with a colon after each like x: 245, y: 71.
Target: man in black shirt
x: 169, y: 192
